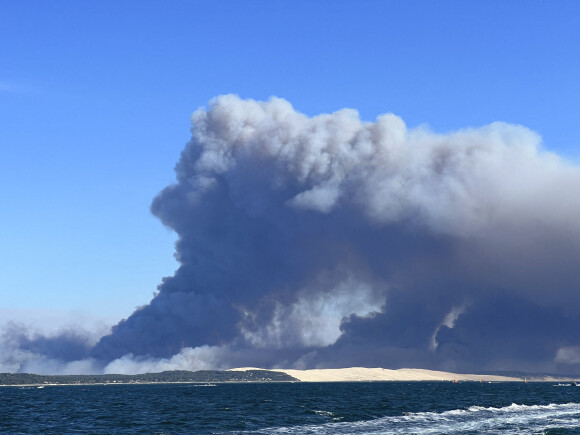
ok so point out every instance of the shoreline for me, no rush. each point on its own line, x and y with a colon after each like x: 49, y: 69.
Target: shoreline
x: 257, y: 375
x: 201, y: 384
x: 365, y: 374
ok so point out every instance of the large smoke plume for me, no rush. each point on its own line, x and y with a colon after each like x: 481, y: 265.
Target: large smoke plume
x: 327, y: 241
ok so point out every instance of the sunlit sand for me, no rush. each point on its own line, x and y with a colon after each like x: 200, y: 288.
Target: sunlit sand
x: 378, y: 374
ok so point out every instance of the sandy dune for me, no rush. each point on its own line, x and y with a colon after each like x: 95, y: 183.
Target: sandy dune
x: 378, y: 374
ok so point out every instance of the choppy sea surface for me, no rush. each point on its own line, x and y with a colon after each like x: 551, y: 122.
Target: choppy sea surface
x: 294, y: 408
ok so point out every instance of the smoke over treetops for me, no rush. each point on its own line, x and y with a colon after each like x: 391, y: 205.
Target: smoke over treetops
x: 330, y: 242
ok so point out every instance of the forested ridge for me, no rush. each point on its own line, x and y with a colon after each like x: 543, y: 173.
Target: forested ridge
x: 202, y: 376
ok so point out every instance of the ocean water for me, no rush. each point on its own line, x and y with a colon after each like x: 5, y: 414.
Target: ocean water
x: 294, y: 408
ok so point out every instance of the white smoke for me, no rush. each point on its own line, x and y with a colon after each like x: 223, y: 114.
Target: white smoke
x: 199, y: 358
x: 315, y: 319
x: 463, y: 183
x: 449, y: 321
x: 568, y: 355
x: 29, y: 347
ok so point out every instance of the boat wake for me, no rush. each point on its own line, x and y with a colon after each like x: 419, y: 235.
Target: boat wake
x: 476, y: 419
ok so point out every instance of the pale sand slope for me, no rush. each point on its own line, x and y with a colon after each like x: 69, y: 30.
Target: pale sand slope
x: 378, y: 374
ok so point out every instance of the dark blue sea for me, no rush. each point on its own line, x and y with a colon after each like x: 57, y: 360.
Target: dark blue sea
x: 294, y: 408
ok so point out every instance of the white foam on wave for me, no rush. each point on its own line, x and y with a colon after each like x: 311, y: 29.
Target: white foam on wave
x: 506, y: 420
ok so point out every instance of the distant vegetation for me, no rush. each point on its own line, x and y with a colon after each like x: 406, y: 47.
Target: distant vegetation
x: 202, y: 376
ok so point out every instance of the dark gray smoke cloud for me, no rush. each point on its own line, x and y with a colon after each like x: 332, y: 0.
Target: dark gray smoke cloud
x: 280, y: 216
x: 329, y: 242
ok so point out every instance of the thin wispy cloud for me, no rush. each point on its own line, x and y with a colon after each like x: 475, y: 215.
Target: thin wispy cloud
x: 16, y: 87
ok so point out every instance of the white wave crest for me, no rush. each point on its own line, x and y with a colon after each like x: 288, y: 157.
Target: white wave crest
x: 475, y: 419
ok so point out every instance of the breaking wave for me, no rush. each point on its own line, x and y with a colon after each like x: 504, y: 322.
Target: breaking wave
x: 475, y: 419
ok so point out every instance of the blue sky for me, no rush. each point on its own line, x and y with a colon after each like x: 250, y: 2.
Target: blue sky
x: 95, y: 100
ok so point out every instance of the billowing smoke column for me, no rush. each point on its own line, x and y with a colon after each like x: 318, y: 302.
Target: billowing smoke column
x: 328, y: 241
x: 331, y: 242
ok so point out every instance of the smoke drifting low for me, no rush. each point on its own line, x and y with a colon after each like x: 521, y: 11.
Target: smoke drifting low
x: 330, y: 242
